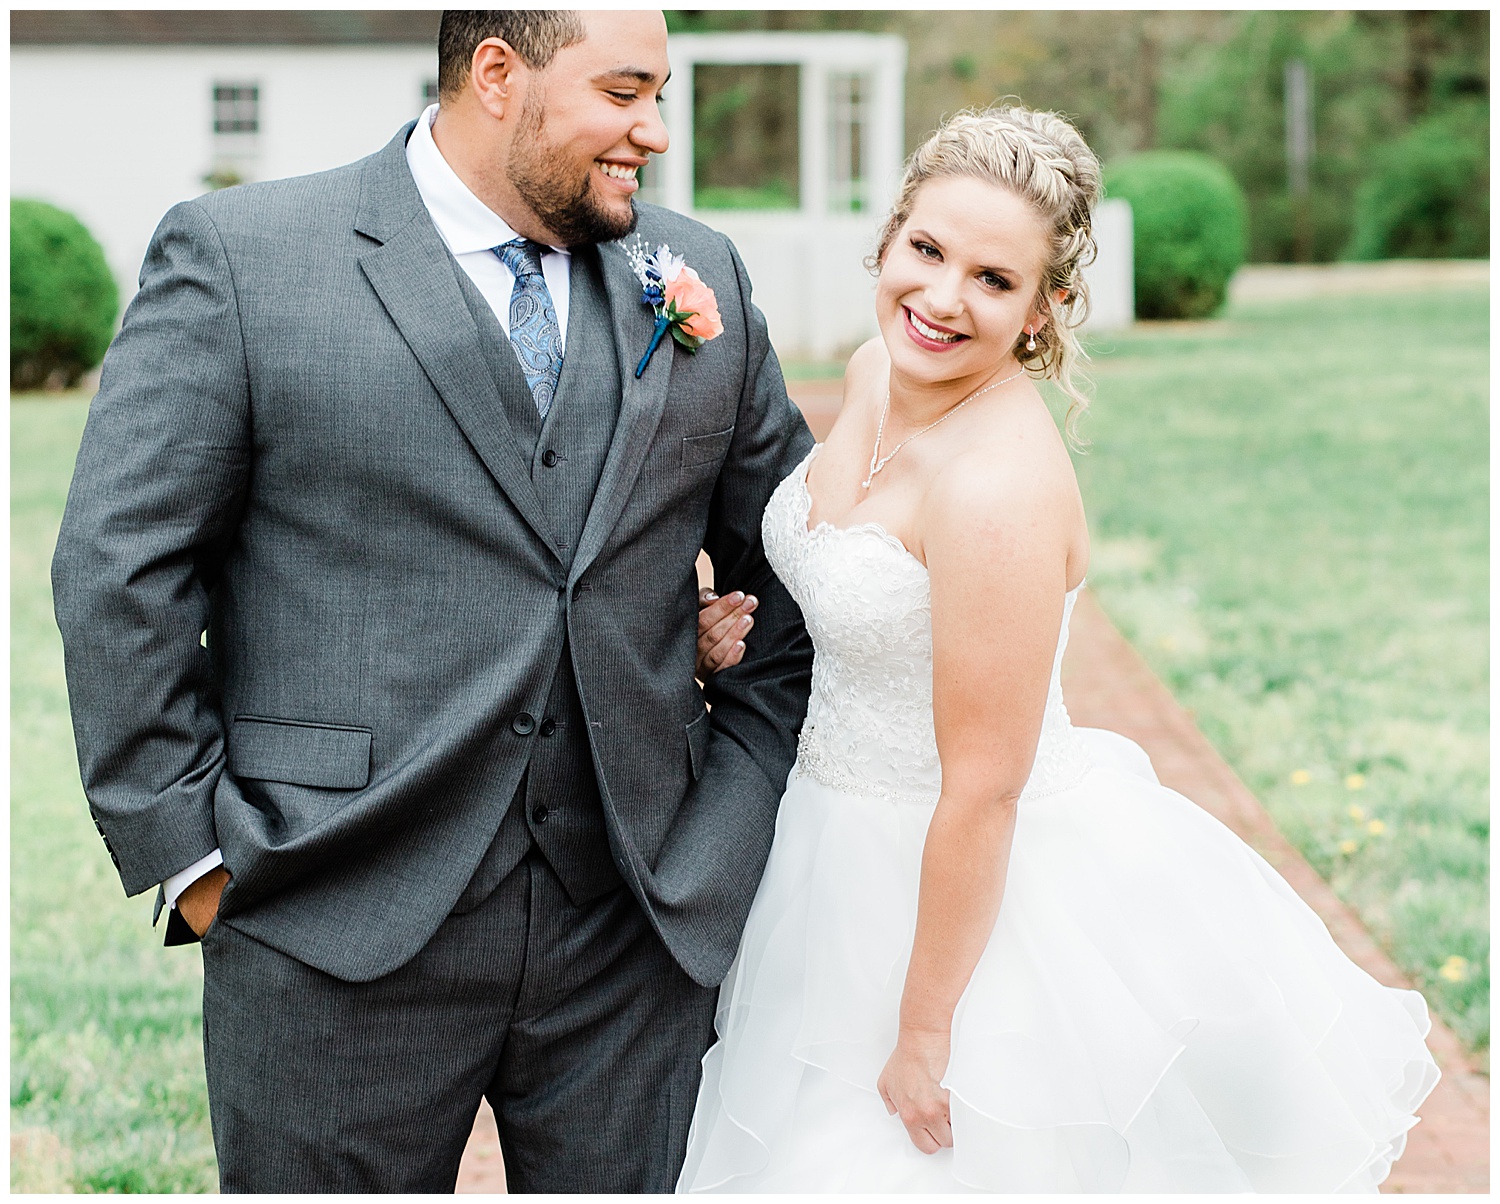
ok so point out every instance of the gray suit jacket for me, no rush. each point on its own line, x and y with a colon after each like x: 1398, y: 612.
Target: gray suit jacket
x: 298, y: 455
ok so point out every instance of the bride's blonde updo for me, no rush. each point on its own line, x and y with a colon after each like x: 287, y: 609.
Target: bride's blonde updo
x: 1043, y: 160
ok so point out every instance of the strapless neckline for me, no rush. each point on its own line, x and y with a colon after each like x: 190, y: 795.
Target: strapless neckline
x: 814, y: 530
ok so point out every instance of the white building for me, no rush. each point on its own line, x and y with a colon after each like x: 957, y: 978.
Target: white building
x: 118, y: 115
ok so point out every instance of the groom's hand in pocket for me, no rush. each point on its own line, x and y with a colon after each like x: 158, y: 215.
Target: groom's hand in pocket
x: 199, y: 901
x: 723, y: 624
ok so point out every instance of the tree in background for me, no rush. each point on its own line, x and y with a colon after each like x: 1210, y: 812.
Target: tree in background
x: 63, y: 298
x: 1376, y: 75
x: 1214, y: 82
x: 1189, y: 230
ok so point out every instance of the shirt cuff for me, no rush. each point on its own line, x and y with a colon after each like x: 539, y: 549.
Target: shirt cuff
x: 183, y: 879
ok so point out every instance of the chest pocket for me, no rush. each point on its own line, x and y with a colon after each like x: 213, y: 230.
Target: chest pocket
x: 698, y: 450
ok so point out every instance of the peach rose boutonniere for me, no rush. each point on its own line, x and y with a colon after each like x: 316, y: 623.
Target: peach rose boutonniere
x: 684, y: 305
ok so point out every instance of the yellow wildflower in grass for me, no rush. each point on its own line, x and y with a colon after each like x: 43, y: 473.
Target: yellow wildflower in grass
x: 1300, y: 777
x: 1375, y: 827
x: 1455, y: 969
x: 1355, y: 781
x: 1348, y: 846
x: 1356, y: 813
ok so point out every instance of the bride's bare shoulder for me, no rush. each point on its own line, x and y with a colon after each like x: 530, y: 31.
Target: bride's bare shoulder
x: 1014, y: 472
x: 866, y: 371
x: 870, y: 356
x: 864, y: 389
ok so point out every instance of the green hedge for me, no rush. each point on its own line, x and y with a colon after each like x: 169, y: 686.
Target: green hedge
x: 1190, y: 219
x: 1428, y: 196
x: 63, y: 299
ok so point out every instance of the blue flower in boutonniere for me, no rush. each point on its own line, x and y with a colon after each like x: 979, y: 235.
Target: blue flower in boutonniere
x: 683, y: 304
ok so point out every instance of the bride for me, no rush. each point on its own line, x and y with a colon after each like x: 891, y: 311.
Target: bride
x: 990, y: 951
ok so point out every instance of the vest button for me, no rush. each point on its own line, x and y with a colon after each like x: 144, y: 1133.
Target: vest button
x: 539, y: 814
x: 548, y: 726
x: 549, y: 458
x: 523, y: 724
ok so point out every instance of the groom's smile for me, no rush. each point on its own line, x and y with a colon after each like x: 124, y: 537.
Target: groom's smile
x: 623, y: 174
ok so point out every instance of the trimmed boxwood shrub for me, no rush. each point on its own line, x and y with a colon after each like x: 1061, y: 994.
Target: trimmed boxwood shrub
x: 1190, y: 221
x: 63, y: 299
x: 1428, y: 196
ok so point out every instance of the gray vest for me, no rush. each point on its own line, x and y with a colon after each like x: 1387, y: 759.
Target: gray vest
x: 557, y: 805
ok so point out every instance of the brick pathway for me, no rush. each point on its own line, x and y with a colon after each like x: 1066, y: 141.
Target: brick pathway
x: 1108, y: 685
x: 1294, y: 281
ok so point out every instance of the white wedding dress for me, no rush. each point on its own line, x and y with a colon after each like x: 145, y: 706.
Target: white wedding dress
x: 1156, y: 1009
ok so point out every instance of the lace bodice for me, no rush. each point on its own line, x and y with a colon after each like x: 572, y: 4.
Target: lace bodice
x: 867, y: 606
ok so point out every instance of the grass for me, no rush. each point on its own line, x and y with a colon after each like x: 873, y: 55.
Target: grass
x: 1290, y: 519
x: 107, y: 1088
x: 777, y: 194
x: 1289, y: 509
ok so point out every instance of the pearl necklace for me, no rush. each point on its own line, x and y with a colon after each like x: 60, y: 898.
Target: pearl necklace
x: 876, y: 464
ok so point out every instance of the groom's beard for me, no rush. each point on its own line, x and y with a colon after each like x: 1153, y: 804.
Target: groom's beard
x: 544, y: 181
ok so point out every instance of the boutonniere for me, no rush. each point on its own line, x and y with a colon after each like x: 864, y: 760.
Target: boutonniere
x: 683, y: 304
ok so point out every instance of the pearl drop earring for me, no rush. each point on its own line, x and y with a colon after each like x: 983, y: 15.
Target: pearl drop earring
x: 1030, y: 339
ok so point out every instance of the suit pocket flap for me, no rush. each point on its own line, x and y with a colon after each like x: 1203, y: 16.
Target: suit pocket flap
x: 305, y: 754
x: 701, y: 449
x: 697, y: 738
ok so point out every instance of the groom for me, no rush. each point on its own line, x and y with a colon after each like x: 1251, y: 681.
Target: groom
x: 377, y: 593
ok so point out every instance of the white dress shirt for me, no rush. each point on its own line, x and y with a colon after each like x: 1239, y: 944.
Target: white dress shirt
x: 469, y: 228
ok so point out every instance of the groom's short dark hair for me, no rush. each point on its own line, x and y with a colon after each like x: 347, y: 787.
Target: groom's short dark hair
x: 535, y: 34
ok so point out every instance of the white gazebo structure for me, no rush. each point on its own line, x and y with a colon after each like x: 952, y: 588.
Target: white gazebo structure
x: 806, y: 263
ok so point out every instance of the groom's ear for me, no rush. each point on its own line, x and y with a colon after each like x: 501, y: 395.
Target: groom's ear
x: 498, y: 77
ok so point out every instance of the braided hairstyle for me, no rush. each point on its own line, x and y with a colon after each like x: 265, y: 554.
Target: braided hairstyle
x: 1044, y: 161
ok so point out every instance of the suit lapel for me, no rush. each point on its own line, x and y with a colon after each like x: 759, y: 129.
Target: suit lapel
x: 641, y: 407
x: 412, y: 274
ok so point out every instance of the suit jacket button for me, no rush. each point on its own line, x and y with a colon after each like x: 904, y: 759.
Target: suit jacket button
x: 523, y: 724
x: 548, y: 726
x: 539, y: 814
x: 549, y: 458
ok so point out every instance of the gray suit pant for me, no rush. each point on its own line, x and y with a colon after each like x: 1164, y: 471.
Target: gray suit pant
x: 575, y: 1023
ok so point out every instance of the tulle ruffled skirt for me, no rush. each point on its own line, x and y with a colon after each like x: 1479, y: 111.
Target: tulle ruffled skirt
x: 1156, y: 1010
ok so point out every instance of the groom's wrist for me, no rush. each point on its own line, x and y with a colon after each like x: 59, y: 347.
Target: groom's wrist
x: 173, y: 887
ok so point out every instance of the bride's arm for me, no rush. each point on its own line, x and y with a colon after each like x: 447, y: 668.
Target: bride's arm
x: 996, y: 551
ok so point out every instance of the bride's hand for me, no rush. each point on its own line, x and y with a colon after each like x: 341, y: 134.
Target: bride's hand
x: 911, y: 1085
x: 722, y: 626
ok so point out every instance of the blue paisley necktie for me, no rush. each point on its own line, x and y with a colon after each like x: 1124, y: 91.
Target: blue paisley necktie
x: 533, y: 321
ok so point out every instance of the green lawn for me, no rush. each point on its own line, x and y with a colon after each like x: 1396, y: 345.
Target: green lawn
x: 1289, y: 509
x: 1290, y: 519
x: 106, y: 1066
